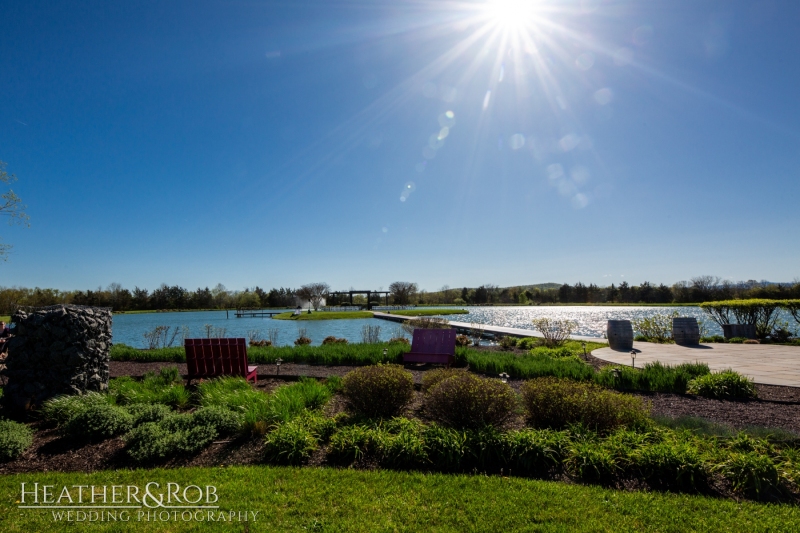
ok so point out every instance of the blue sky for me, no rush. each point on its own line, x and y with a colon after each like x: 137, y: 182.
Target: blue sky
x: 364, y: 142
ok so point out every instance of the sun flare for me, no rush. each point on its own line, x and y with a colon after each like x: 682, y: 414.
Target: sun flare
x: 510, y: 13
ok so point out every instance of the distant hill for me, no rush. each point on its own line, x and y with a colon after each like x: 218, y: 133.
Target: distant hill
x: 540, y: 286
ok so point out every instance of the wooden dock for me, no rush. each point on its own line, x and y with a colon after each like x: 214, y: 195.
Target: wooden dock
x: 466, y: 328
x: 257, y: 313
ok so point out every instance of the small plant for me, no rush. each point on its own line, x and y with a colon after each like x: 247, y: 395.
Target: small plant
x: 527, y: 343
x: 99, y: 421
x: 290, y: 443
x: 164, y: 387
x: 224, y: 421
x: 172, y: 436
x: 261, y: 344
x: 254, y: 336
x: 655, y: 328
x: 15, y: 438
x: 462, y: 340
x: 672, y: 464
x: 508, y: 343
x: 333, y: 340
x: 148, y: 412
x: 537, y: 452
x: 750, y: 472
x: 61, y: 409
x: 723, y: 385
x: 399, y: 340
x: 559, y: 403
x: 737, y: 340
x: 713, y: 338
x: 160, y: 336
x: 370, y: 334
x: 751, y: 341
x: 589, y: 462
x: 302, y: 341
x: 465, y: 401
x: 378, y: 391
x: 555, y: 332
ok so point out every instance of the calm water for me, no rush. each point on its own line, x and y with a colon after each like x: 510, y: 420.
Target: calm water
x: 130, y: 329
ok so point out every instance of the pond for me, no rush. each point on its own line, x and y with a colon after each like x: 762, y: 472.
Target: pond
x: 130, y: 328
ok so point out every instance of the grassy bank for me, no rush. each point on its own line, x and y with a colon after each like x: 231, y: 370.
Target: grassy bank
x: 324, y: 315
x: 324, y: 499
x: 429, y: 312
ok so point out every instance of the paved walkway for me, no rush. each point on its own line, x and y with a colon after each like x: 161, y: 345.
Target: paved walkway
x: 764, y: 363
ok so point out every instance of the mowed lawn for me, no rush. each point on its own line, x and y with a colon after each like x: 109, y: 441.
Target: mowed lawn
x: 325, y: 499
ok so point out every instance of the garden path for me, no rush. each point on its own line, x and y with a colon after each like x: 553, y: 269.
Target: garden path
x: 769, y: 364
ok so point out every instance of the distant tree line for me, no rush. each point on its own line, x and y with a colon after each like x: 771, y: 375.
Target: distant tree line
x: 696, y: 290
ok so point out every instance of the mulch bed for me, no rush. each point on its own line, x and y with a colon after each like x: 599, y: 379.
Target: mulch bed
x: 777, y: 407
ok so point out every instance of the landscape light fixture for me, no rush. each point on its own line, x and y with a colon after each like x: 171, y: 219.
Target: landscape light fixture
x: 278, y: 362
x: 617, y: 374
x: 504, y: 377
x: 584, y: 349
x: 633, y: 358
x: 385, y: 352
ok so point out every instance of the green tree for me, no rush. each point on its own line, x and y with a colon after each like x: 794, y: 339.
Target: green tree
x: 12, y: 207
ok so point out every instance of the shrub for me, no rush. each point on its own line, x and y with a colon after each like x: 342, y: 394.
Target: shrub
x: 401, y: 340
x: 464, y: 401
x: 558, y: 403
x: 655, y: 328
x: 172, y: 436
x: 713, y: 338
x: 751, y: 341
x: 264, y: 343
x: 15, y: 438
x: 508, y: 343
x: 437, y: 375
x: 723, y: 385
x: 352, y: 443
x: 555, y: 332
x: 527, y: 343
x: 333, y: 340
x: 749, y: 472
x: 762, y: 313
x: 589, y: 462
x: 403, y: 445
x: 302, y: 341
x: 148, y: 412
x: 462, y: 340
x: 61, y: 409
x: 224, y: 421
x: 378, y: 391
x: 737, y: 340
x: 99, y: 421
x: 290, y: 400
x: 780, y: 334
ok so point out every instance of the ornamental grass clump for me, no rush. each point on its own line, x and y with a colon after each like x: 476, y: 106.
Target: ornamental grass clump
x: 379, y: 391
x: 465, y: 401
x: 558, y: 403
x: 61, y: 409
x: 727, y: 384
x: 15, y: 438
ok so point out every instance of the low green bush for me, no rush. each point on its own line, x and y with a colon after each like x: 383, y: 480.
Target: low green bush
x: 15, y: 438
x: 723, y: 385
x: 524, y: 366
x: 508, y: 343
x: 466, y: 401
x: 402, y: 444
x: 224, y: 421
x: 352, y: 443
x: 61, y: 409
x: 99, y: 421
x: 527, y: 343
x: 713, y: 338
x: 333, y: 340
x: 437, y: 375
x: 154, y: 441
x: 678, y: 465
x: 737, y: 340
x: 536, y: 452
x: 588, y: 461
x: 302, y: 341
x: 445, y: 447
x: 462, y: 340
x: 378, y: 391
x: 148, y: 412
x: 558, y: 403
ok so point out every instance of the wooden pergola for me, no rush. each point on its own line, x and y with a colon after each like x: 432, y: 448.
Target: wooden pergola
x: 368, y: 293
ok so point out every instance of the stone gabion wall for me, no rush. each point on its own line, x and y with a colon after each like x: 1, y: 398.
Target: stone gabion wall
x: 62, y: 349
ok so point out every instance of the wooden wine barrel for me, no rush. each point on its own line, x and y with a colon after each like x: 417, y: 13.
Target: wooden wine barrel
x: 748, y: 331
x: 620, y: 335
x: 685, y: 331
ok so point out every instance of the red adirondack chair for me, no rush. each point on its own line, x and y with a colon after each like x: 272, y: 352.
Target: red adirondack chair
x: 209, y: 358
x: 432, y: 346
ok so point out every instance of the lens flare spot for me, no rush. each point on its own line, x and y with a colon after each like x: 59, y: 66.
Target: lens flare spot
x: 486, y: 99
x: 517, y: 141
x: 585, y: 61
x: 443, y: 133
x: 579, y: 201
x: 569, y: 142
x: 580, y: 175
x: 603, y: 96
x: 555, y: 172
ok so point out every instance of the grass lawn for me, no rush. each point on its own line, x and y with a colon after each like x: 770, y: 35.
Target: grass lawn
x: 324, y: 315
x: 324, y: 499
x: 5, y: 318
x: 429, y: 312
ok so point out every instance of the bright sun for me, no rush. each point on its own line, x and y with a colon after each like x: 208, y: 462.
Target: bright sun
x: 510, y: 13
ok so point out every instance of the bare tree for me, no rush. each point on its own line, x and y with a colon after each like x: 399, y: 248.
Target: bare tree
x: 403, y: 292
x: 10, y: 206
x: 314, y: 293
